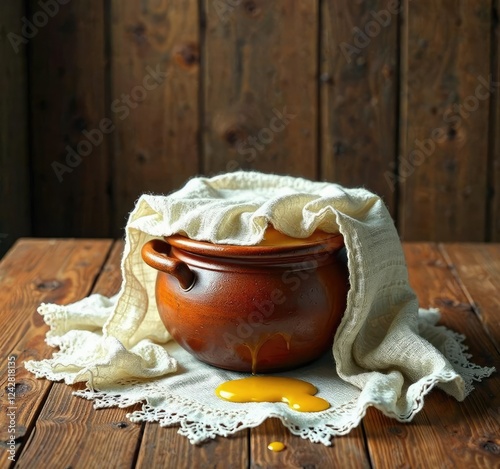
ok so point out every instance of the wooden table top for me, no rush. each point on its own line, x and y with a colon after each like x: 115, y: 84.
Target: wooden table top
x: 57, y: 430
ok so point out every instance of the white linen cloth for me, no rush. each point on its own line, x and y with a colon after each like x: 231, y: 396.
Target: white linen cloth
x: 386, y: 352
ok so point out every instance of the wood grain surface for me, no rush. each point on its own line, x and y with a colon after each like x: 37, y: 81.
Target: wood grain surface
x: 56, y: 429
x: 61, y: 438
x: 299, y: 453
x: 260, y: 87
x: 34, y: 272
x: 359, y: 95
x: 477, y: 268
x: 445, y: 102
x: 154, y: 99
x: 15, y: 220
x: 164, y: 447
x: 445, y: 434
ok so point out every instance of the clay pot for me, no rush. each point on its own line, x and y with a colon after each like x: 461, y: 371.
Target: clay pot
x: 268, y: 307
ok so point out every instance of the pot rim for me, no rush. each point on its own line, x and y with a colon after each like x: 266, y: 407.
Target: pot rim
x: 295, y: 246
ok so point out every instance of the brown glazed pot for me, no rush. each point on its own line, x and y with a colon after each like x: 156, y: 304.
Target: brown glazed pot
x: 268, y: 307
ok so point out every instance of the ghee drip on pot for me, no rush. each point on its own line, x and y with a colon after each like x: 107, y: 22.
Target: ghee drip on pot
x: 298, y: 394
x: 254, y: 349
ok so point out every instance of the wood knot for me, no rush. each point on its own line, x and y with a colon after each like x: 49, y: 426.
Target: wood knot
x: 251, y: 7
x: 22, y: 388
x: 48, y: 285
x: 446, y: 302
x: 395, y: 431
x: 450, y: 165
x: 436, y: 263
x: 338, y: 149
x: 187, y: 55
x: 449, y: 303
x: 142, y: 158
x: 491, y: 447
x: 138, y: 33
x: 233, y: 135
x: 120, y: 424
x: 234, y: 125
x: 79, y: 124
x: 387, y: 72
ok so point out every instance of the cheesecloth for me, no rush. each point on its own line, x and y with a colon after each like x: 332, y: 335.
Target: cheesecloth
x: 387, y: 353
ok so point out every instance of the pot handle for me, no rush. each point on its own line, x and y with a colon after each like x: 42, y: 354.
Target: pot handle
x: 156, y: 252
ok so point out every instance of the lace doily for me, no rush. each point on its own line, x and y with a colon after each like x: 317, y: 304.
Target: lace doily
x: 386, y: 354
x: 187, y: 397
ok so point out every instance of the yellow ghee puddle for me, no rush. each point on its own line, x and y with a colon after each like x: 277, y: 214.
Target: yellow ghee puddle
x: 276, y: 446
x: 298, y: 394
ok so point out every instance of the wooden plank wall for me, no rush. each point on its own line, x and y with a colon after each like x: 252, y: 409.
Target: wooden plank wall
x: 110, y: 99
x: 494, y: 163
x: 67, y: 89
x: 260, y: 87
x: 14, y: 178
x: 359, y: 95
x: 155, y: 74
x: 444, y: 120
